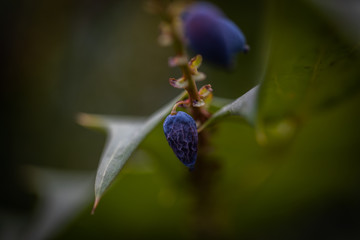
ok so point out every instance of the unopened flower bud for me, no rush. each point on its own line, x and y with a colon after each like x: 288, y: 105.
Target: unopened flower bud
x: 210, y: 33
x: 181, y: 133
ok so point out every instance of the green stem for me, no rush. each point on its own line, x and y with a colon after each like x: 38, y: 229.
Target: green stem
x: 191, y: 88
x: 199, y: 113
x: 206, y: 224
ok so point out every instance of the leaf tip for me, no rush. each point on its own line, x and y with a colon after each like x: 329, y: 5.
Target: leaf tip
x: 89, y: 120
x: 97, y: 200
x: 82, y: 119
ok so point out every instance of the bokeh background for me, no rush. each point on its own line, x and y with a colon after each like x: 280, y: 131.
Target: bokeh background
x: 65, y: 57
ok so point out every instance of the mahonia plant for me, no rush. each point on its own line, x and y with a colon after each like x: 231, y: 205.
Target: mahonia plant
x: 212, y: 37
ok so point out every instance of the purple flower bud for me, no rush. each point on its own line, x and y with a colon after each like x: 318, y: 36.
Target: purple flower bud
x: 212, y: 35
x: 202, y: 7
x: 181, y: 134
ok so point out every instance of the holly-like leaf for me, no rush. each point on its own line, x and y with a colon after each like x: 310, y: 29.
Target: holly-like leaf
x: 124, y: 136
x: 245, y: 107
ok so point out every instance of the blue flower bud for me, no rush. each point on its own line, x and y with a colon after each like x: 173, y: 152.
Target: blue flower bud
x: 181, y: 133
x: 202, y: 7
x: 212, y: 35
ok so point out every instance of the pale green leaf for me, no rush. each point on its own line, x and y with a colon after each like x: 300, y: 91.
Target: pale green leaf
x: 245, y: 107
x: 124, y: 136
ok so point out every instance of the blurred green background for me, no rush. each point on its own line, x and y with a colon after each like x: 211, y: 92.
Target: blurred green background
x: 66, y: 57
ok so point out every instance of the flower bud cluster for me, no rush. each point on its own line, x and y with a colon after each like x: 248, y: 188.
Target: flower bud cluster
x: 212, y: 36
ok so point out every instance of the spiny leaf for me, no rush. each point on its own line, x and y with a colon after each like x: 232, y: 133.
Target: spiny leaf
x: 245, y: 106
x: 124, y: 136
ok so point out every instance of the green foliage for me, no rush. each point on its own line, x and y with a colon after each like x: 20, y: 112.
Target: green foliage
x: 310, y: 74
x: 311, y: 69
x: 302, y: 79
x: 124, y: 135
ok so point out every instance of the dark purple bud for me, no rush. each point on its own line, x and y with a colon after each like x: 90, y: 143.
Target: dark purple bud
x: 212, y: 35
x: 202, y: 7
x: 181, y: 133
